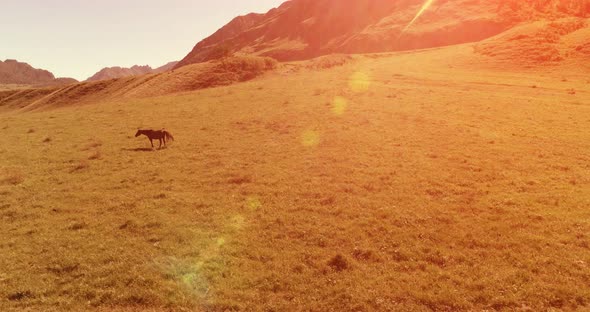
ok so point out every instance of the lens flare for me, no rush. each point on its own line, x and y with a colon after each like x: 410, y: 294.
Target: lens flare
x: 237, y: 222
x: 425, y: 7
x: 253, y: 203
x: 339, y: 105
x: 187, y: 273
x: 359, y: 82
x: 310, y: 138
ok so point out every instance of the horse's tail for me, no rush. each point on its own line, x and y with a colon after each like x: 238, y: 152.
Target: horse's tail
x: 168, y: 136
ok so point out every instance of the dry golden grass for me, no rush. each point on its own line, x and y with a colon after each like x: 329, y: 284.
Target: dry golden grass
x: 12, y: 87
x: 408, y: 182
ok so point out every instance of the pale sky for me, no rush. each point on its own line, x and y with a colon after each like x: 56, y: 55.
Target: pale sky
x: 77, y: 38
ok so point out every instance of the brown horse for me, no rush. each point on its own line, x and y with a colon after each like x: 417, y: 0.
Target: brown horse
x: 161, y: 135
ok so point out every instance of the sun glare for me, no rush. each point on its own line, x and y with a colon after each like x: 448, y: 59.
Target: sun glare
x: 423, y: 9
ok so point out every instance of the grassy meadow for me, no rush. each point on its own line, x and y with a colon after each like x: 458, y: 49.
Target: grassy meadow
x: 398, y: 182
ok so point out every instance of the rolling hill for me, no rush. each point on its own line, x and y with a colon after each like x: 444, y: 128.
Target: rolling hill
x: 540, y: 43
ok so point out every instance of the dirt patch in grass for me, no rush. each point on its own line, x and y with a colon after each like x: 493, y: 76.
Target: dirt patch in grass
x: 95, y: 155
x: 339, y: 263
x: 80, y: 165
x: 20, y: 295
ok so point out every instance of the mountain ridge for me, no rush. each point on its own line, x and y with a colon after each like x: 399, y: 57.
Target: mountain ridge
x: 135, y: 70
x: 15, y: 72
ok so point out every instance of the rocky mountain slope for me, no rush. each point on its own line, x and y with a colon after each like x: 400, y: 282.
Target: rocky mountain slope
x: 165, y: 68
x: 302, y: 29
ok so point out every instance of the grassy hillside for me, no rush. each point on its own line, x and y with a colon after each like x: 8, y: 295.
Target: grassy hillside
x: 542, y: 42
x: 189, y: 78
x: 381, y: 182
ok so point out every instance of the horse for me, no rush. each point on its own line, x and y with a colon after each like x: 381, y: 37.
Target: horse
x: 161, y: 135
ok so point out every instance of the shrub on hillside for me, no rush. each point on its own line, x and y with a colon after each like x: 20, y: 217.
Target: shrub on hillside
x: 234, y: 69
x: 329, y: 61
x: 247, y: 66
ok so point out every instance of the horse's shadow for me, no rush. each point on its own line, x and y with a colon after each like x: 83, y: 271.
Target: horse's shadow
x: 140, y: 149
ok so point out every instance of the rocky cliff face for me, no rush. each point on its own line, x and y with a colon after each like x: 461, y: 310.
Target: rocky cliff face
x: 301, y: 29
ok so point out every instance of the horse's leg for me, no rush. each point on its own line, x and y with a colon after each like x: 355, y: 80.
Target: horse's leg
x: 160, y: 144
x: 152, y: 142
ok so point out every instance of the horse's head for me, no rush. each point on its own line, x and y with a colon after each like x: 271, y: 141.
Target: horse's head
x: 138, y: 133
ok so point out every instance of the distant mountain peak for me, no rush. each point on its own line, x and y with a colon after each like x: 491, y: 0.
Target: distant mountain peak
x: 135, y: 70
x: 15, y: 72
